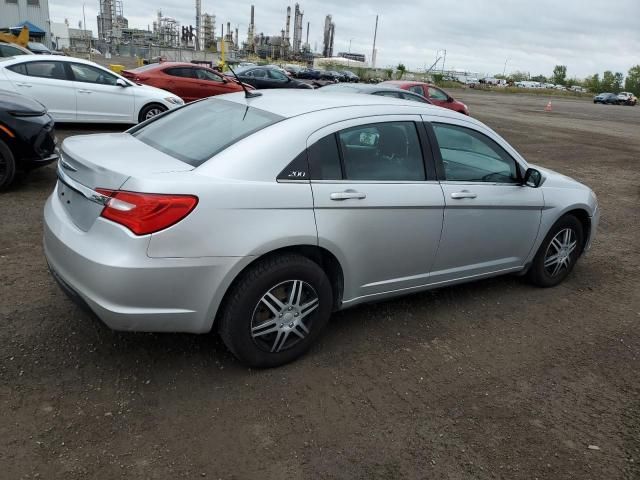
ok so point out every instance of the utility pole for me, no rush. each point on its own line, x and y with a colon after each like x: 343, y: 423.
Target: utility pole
x: 84, y: 24
x: 373, y: 53
x: 505, y: 66
x: 443, y: 61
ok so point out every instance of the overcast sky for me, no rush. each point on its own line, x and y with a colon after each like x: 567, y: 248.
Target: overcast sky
x: 478, y: 35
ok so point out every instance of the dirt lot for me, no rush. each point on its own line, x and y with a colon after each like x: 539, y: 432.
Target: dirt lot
x: 495, y: 379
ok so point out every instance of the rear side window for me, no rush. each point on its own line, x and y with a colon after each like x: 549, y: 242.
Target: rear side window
x: 382, y: 151
x: 416, y: 89
x: 184, y: 72
x: 198, y: 131
x: 389, y: 151
x: 43, y: 69
x: 18, y: 68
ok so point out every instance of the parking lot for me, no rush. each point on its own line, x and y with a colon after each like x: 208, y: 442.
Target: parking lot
x: 494, y: 379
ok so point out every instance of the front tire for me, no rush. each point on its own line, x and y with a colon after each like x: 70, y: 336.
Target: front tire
x: 558, y: 253
x: 7, y: 166
x: 276, y: 311
x: 150, y: 111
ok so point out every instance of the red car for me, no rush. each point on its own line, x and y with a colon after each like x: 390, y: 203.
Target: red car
x: 437, y: 96
x: 186, y: 80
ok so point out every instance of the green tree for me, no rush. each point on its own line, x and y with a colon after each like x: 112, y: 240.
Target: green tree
x: 608, y: 81
x: 617, y: 82
x: 593, y: 83
x: 539, y: 78
x: 401, y: 70
x: 632, y: 82
x: 559, y: 74
x: 388, y: 72
x: 518, y: 76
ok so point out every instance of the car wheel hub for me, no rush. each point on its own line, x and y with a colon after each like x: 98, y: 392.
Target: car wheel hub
x: 558, y: 255
x: 283, y: 316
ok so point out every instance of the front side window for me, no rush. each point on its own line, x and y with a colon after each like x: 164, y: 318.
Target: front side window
x: 90, y: 74
x: 471, y: 156
x: 197, y: 132
x: 203, y: 74
x: 10, y: 51
x: 375, y: 152
x: 258, y: 73
x: 277, y: 76
x: 437, y: 94
x: 44, y: 69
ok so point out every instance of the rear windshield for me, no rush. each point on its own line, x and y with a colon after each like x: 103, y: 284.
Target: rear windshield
x: 199, y: 131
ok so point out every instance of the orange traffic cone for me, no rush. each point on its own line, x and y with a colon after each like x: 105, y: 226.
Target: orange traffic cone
x: 548, y: 108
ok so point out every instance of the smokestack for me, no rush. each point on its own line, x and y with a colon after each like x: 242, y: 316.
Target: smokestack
x: 237, y: 44
x: 288, y: 22
x: 308, y: 34
x: 252, y: 14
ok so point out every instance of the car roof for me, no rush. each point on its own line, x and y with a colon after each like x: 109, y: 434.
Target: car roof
x: 404, y: 82
x: 58, y: 58
x: 293, y: 102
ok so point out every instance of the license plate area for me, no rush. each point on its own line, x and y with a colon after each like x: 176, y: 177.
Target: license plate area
x: 81, y: 210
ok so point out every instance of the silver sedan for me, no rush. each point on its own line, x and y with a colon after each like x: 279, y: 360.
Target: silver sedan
x: 258, y: 217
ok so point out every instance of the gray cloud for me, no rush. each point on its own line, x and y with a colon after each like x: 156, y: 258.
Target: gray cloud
x: 479, y: 35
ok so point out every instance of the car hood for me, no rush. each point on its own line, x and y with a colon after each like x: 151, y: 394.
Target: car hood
x: 554, y: 179
x: 16, y: 103
x: 150, y: 91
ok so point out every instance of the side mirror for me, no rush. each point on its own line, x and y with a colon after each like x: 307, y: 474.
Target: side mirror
x: 121, y: 83
x: 532, y: 178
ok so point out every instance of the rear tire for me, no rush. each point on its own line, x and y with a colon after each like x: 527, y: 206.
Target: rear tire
x: 276, y: 311
x: 558, y: 253
x: 7, y: 166
x: 150, y: 111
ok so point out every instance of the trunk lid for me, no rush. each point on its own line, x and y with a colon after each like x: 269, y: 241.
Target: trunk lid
x: 104, y: 161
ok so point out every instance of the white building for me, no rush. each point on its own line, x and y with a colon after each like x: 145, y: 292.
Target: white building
x: 60, y: 35
x: 14, y: 13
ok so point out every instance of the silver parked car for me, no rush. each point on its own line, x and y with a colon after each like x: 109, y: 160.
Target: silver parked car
x: 258, y: 217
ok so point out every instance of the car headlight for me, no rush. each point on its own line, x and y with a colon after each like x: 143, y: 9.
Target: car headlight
x: 174, y: 100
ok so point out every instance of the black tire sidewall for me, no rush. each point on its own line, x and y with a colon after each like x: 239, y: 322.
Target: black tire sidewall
x: 235, y: 326
x: 143, y: 113
x: 7, y: 179
x: 538, y: 274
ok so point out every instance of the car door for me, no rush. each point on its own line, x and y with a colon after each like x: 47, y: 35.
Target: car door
x: 211, y: 83
x: 48, y: 82
x: 278, y: 79
x: 377, y: 207
x: 437, y: 96
x: 491, y: 220
x: 99, y: 97
x: 184, y: 82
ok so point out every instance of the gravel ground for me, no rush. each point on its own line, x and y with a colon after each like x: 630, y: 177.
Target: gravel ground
x: 494, y: 379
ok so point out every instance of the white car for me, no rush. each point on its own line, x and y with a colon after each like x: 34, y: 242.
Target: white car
x: 76, y: 90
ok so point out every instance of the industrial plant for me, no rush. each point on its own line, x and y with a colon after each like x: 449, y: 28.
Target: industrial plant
x: 290, y: 43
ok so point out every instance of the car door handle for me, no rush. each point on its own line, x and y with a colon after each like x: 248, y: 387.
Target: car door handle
x: 348, y: 195
x: 24, y: 85
x: 85, y: 91
x: 463, y: 194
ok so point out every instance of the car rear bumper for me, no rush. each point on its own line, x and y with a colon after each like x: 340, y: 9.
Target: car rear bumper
x: 112, y: 276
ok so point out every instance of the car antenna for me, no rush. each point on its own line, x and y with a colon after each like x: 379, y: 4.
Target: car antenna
x: 247, y: 93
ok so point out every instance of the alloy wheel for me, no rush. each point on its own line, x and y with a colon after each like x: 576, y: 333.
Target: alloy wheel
x: 152, y: 113
x: 558, y: 255
x: 283, y: 316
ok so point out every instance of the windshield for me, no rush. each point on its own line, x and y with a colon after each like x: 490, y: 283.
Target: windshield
x: 198, y: 131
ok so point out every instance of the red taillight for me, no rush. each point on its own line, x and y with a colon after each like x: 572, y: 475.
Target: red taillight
x: 145, y: 213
